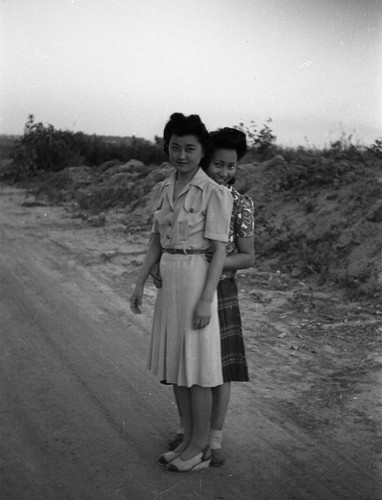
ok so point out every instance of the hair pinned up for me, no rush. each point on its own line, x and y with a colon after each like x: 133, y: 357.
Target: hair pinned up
x: 229, y: 138
x: 181, y: 125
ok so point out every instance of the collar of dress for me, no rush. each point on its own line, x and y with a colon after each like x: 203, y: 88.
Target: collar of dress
x: 199, y: 180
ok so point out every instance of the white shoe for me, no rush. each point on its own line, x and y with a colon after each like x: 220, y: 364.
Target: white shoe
x: 200, y: 461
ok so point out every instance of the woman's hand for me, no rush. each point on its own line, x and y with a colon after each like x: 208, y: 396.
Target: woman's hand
x: 136, y: 300
x: 202, y: 315
x: 155, y: 274
x: 209, y: 256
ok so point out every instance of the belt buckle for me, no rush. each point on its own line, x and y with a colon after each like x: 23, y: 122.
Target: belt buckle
x: 185, y: 251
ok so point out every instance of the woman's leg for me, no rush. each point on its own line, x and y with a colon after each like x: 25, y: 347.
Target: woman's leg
x: 220, y: 400
x: 175, y: 389
x: 201, y: 404
x: 184, y: 402
x: 183, y: 399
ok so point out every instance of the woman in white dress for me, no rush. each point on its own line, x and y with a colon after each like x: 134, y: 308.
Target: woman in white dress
x: 191, y: 219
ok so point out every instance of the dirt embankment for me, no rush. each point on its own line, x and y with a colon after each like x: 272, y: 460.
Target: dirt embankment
x: 316, y: 216
x: 320, y: 217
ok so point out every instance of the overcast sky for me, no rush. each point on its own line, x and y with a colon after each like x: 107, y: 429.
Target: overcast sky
x: 121, y: 67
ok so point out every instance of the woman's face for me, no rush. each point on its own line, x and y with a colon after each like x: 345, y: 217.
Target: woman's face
x: 222, y: 167
x: 185, y: 153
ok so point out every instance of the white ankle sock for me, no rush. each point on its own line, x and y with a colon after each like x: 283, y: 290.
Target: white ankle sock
x: 215, y: 439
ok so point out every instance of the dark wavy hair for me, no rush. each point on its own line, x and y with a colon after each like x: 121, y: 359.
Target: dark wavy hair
x: 226, y: 138
x: 180, y: 125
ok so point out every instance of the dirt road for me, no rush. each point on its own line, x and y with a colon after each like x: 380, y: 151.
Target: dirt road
x: 81, y: 418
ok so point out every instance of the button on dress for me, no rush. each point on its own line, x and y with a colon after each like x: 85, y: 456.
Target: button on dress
x: 201, y: 213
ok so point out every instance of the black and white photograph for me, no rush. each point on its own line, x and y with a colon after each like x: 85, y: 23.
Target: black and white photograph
x: 190, y: 250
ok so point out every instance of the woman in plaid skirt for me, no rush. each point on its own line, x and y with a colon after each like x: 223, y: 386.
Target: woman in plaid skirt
x: 228, y: 147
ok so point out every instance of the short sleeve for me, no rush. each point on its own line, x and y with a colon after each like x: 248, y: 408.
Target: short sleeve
x: 156, y: 193
x: 244, y: 217
x: 218, y: 214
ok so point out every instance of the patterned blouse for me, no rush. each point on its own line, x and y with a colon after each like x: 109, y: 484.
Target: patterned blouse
x: 242, y: 224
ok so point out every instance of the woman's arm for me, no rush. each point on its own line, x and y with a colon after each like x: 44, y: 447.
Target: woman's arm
x: 155, y: 274
x: 202, y: 312
x: 153, y: 255
x: 245, y: 256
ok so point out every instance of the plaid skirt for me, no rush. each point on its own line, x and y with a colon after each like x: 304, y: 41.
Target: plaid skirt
x: 234, y: 363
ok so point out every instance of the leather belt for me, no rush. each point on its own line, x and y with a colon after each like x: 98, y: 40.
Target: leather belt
x: 185, y: 251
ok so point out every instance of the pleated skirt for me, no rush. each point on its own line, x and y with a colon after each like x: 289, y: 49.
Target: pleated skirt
x: 178, y: 353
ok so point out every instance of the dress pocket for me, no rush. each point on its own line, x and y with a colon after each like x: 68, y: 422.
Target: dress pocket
x: 192, y: 203
x: 192, y: 217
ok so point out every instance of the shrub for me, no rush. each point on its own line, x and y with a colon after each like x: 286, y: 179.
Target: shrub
x: 376, y: 148
x: 42, y: 148
x: 7, y: 143
x: 101, y: 149
x: 260, y: 141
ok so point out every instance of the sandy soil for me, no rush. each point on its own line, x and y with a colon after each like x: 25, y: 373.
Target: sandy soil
x: 81, y: 418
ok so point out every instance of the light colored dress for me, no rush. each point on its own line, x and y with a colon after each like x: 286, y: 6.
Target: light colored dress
x: 201, y: 213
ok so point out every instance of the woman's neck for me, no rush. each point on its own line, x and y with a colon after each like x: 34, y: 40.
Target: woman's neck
x: 181, y: 181
x: 185, y: 178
